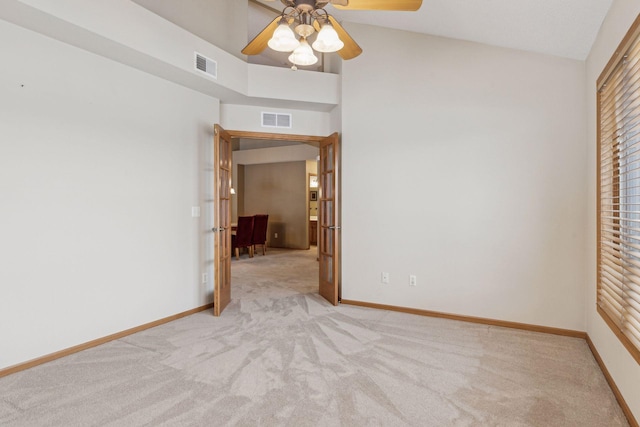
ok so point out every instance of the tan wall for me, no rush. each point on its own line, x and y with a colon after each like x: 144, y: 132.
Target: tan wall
x: 312, y: 169
x: 279, y: 189
x: 237, y: 201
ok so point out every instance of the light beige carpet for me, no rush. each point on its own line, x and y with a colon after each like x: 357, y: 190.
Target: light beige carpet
x: 281, y: 356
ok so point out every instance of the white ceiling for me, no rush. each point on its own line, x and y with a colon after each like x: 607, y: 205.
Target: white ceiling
x: 565, y: 28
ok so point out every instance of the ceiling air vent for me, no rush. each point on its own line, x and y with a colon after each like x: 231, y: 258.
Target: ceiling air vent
x: 276, y: 120
x: 206, y: 65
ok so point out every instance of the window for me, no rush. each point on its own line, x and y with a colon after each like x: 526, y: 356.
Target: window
x: 619, y: 192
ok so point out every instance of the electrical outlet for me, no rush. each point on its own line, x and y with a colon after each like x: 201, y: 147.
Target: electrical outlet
x: 413, y: 280
x: 204, y: 277
x: 275, y: 235
x: 384, y: 277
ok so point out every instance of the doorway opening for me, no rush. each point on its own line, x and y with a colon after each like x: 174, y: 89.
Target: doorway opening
x: 272, y: 177
x: 326, y: 175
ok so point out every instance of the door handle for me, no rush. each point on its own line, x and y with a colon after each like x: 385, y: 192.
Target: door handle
x: 215, y: 230
x: 335, y: 227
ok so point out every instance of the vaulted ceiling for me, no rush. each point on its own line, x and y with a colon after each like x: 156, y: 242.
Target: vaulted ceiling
x: 565, y: 28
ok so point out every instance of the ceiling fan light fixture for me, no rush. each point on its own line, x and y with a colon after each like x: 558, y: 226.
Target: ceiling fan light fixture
x: 283, y: 39
x: 310, y: 16
x: 303, y: 54
x: 304, y: 30
x: 328, y: 40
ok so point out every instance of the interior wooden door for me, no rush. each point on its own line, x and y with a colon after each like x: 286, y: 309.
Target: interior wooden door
x: 222, y: 164
x: 328, y: 219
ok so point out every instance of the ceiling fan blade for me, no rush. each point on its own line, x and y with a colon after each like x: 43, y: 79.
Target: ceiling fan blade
x: 259, y: 42
x: 351, y: 48
x: 408, y: 5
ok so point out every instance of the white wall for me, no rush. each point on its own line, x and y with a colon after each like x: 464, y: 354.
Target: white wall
x: 196, y: 17
x: 100, y: 165
x: 623, y: 368
x: 285, y: 84
x: 128, y: 33
x: 249, y: 118
x: 465, y: 165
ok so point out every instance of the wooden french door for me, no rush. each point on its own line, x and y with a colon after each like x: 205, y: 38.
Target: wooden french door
x: 222, y: 170
x: 328, y: 213
x: 328, y: 219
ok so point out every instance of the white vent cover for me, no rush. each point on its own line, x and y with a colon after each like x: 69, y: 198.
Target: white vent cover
x: 206, y: 65
x: 276, y: 120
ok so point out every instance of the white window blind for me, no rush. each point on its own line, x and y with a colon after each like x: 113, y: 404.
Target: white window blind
x: 619, y: 192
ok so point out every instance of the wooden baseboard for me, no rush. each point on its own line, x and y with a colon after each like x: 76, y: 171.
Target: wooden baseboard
x: 614, y: 388
x: 481, y: 320
x: 75, y: 349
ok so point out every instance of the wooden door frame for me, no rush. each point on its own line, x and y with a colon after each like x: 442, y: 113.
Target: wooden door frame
x: 329, y: 219
x: 304, y: 139
x: 221, y: 223
x: 264, y: 136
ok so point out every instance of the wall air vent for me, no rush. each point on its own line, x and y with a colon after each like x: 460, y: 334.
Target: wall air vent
x: 206, y: 66
x: 276, y: 120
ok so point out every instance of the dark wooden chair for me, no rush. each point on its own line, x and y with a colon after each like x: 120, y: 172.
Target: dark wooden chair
x: 242, y: 238
x: 259, y: 237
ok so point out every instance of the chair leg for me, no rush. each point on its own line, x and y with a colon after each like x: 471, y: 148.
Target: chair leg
x: 252, y: 249
x: 237, y: 253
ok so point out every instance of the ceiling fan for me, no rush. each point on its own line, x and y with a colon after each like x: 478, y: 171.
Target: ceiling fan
x: 309, y: 16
